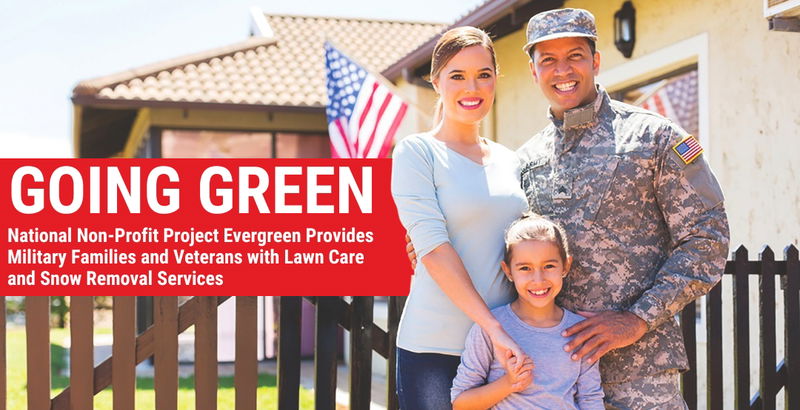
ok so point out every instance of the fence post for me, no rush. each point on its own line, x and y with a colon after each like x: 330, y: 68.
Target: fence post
x: 37, y: 332
x: 123, y: 366
x: 361, y: 352
x: 766, y: 306
x: 396, y: 304
x: 205, y: 354
x: 245, y: 377
x: 165, y: 381
x: 714, y: 378
x: 689, y: 379
x: 791, y: 311
x: 81, y: 352
x: 325, y: 352
x: 741, y: 330
x: 289, y: 353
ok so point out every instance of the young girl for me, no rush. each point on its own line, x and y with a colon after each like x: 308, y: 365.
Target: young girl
x: 536, y: 261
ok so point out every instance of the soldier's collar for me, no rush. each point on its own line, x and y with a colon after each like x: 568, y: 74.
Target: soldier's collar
x: 584, y: 115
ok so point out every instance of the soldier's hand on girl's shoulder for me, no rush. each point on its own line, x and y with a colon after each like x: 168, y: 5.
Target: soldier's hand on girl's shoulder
x: 602, y: 332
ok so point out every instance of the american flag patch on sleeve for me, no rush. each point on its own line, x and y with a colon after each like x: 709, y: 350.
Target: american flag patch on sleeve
x: 688, y: 149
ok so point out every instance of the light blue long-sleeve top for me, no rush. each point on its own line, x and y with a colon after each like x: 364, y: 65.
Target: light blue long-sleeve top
x: 558, y: 381
x: 442, y: 197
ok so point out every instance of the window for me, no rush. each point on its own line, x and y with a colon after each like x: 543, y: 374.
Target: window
x: 674, y: 96
x: 233, y: 144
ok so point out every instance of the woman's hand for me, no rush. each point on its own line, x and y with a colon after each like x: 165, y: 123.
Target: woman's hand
x: 506, y: 348
x: 519, y: 380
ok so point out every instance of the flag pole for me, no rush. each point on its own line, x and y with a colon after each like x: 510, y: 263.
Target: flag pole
x: 388, y: 84
x: 644, y: 97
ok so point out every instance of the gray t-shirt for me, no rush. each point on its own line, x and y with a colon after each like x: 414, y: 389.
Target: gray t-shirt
x: 558, y: 381
x: 441, y: 197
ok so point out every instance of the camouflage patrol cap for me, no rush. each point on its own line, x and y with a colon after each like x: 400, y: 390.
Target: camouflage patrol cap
x: 559, y: 23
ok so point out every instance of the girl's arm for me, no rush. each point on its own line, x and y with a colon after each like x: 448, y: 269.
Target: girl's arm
x: 470, y: 390
x: 484, y: 397
x: 590, y: 393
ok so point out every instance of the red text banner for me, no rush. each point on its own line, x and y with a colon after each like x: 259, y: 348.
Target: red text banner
x: 202, y: 227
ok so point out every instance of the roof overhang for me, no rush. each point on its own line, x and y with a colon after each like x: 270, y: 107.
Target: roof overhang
x: 93, y: 101
x: 499, y: 18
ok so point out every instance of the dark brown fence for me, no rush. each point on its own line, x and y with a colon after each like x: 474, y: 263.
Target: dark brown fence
x: 160, y: 341
x: 773, y: 376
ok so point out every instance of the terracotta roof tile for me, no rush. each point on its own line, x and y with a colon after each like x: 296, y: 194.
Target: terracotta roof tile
x: 287, y: 69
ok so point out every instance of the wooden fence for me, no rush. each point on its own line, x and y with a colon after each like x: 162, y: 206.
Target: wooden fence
x: 160, y: 341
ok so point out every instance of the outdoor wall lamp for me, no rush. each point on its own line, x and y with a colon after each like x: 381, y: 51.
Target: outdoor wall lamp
x: 625, y: 29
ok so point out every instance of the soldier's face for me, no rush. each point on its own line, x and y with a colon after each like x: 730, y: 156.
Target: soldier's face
x: 537, y: 271
x: 466, y: 85
x: 564, y: 69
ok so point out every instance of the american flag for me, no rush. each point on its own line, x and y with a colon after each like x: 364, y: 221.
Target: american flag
x: 363, y: 114
x: 688, y: 149
x: 676, y: 99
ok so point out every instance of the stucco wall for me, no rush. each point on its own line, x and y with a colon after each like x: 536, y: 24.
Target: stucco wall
x: 421, y: 102
x: 754, y: 120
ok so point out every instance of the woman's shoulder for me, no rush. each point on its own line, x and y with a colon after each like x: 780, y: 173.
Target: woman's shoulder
x: 416, y: 147
x: 421, y: 140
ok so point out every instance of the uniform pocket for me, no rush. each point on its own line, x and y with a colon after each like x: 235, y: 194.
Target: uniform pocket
x: 535, y: 178
x: 628, y: 193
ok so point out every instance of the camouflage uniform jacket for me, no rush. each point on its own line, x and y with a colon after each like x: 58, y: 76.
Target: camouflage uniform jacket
x: 648, y: 232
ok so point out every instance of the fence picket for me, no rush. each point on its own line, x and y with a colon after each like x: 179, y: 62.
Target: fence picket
x: 361, y: 352
x: 81, y: 351
x: 205, y: 354
x: 766, y: 284
x: 714, y: 378
x: 245, y: 376
x: 289, y: 353
x: 791, y: 307
x: 325, y: 352
x: 166, y: 352
x: 689, y: 378
x: 123, y: 356
x: 396, y: 304
x: 37, y: 333
x: 741, y: 330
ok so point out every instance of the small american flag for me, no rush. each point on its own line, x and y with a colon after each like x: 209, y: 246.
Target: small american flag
x: 363, y: 114
x: 688, y: 149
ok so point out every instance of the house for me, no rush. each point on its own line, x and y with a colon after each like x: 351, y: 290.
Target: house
x: 746, y: 78
x: 263, y: 97
x: 739, y: 71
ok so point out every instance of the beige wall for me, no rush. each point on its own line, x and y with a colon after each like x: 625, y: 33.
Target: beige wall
x: 419, y: 116
x: 753, y: 118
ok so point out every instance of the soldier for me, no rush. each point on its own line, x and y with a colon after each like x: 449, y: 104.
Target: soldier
x: 641, y: 206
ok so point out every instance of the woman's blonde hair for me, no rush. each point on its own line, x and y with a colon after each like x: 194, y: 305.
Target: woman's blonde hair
x: 449, y: 44
x: 534, y: 227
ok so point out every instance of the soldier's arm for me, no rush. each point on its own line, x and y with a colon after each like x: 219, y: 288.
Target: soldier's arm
x: 691, y: 203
